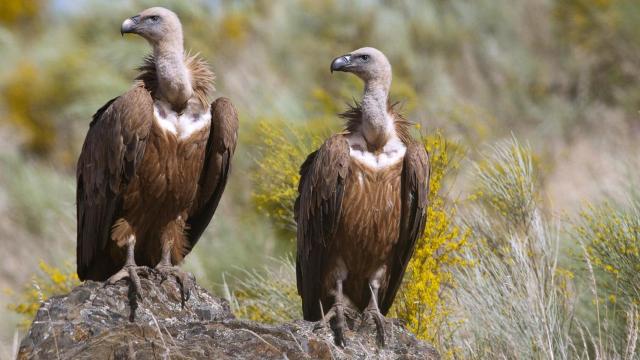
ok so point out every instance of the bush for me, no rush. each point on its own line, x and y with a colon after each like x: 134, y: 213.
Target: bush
x: 516, y: 301
x: 49, y: 281
x: 15, y: 11
x: 268, y: 295
x: 512, y: 300
x: 603, y: 37
x: 281, y: 150
x: 611, y: 236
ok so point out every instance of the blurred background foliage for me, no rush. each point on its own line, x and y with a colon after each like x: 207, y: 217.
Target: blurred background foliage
x: 48, y: 281
x: 560, y: 75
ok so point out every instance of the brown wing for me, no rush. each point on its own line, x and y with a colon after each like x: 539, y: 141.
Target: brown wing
x: 221, y: 145
x: 414, y: 202
x: 317, y: 212
x: 111, y: 153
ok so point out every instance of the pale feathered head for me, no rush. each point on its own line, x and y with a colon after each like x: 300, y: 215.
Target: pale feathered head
x: 155, y: 24
x: 367, y: 63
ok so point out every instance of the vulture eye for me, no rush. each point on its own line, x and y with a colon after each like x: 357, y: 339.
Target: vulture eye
x: 154, y: 18
x: 365, y: 57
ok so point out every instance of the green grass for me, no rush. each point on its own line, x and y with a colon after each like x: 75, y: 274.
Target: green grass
x: 560, y: 75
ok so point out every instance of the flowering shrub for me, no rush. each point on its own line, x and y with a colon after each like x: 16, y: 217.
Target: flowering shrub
x: 515, y: 301
x: 49, y: 281
x: 14, y: 11
x: 281, y: 150
x: 611, y: 235
x: 507, y: 184
x: 592, y: 30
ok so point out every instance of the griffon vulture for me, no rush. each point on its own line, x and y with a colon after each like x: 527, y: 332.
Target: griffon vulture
x: 154, y: 163
x: 361, y: 205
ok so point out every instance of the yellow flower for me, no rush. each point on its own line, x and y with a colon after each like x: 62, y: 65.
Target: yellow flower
x: 48, y: 282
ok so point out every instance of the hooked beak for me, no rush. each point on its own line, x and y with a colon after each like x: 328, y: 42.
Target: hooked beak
x: 341, y: 63
x: 129, y: 25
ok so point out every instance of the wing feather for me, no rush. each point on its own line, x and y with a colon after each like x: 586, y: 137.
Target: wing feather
x: 317, y: 211
x: 110, y: 155
x: 414, y: 202
x: 221, y: 145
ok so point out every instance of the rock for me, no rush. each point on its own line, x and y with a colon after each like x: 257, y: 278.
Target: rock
x: 92, y: 322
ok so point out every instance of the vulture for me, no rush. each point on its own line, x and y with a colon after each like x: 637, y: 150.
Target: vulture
x: 154, y: 163
x: 361, y: 205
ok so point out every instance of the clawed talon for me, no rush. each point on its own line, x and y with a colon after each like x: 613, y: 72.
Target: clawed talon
x: 129, y: 272
x: 338, y: 325
x: 372, y: 313
x: 184, y: 279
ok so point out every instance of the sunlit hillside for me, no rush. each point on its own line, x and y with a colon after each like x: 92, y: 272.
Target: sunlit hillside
x: 537, y: 100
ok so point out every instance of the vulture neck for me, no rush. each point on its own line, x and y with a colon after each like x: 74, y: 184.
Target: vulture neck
x: 377, y: 124
x: 174, y: 80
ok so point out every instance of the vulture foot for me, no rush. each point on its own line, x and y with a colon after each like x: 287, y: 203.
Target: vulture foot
x: 372, y: 313
x: 130, y: 272
x: 184, y: 279
x: 335, y: 320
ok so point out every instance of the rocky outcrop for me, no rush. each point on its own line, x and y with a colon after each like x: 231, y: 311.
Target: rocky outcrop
x: 93, y: 322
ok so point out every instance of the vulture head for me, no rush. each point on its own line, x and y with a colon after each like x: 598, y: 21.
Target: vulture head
x: 367, y: 63
x: 157, y: 25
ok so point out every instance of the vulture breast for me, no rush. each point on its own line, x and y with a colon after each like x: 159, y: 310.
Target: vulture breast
x: 181, y: 125
x: 369, y: 225
x: 166, y: 182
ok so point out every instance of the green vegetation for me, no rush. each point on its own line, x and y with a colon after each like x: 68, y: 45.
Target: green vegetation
x: 49, y: 281
x: 282, y: 149
x: 515, y: 278
x: 268, y: 295
x: 611, y: 237
x: 531, y: 251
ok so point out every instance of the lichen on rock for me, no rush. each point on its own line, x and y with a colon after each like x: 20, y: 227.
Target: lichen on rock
x: 93, y: 322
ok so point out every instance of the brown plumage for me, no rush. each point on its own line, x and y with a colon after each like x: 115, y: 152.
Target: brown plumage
x: 358, y: 219
x: 339, y: 216
x: 353, y: 119
x: 146, y: 190
x: 202, y: 86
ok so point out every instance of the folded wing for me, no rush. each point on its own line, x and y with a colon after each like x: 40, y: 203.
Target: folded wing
x: 317, y: 211
x: 221, y: 145
x: 414, y: 202
x: 112, y: 151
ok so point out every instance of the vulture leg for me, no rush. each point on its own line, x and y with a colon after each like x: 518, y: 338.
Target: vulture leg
x: 166, y: 268
x: 130, y: 269
x: 372, y: 312
x: 337, y: 311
